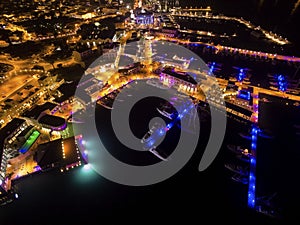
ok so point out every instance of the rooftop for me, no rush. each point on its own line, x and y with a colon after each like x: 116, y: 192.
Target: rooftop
x: 53, y: 121
x: 61, y: 152
x: 38, y: 109
x: 7, y: 130
x: 182, y: 76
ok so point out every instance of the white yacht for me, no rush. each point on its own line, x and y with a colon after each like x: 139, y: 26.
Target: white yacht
x: 237, y: 169
x: 153, y: 150
x: 165, y: 113
x: 245, y: 135
x: 239, y: 178
x: 238, y: 149
x: 147, y: 136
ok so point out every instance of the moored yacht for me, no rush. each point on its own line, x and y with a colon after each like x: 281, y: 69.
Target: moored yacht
x: 155, y: 152
x: 239, y: 178
x: 238, y: 149
x: 167, y: 111
x: 237, y: 169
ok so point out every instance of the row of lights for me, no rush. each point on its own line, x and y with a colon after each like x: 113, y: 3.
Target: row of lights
x: 252, y: 178
x: 274, y: 37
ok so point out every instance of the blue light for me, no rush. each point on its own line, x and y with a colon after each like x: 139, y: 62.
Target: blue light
x: 282, y: 83
x: 150, y: 143
x: 241, y: 75
x: 211, y: 68
x: 244, y: 94
x: 161, y: 132
x: 87, y: 166
x: 252, y: 178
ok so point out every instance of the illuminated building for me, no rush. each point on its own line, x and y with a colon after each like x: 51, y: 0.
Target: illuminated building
x: 52, y: 122
x: 169, y: 4
x: 37, y: 110
x: 88, y: 89
x: 81, y: 54
x: 60, y: 154
x: 144, y: 17
x: 167, y: 32
x: 178, y: 79
x: 8, y: 135
x: 84, y: 16
x: 47, y: 80
x: 132, y: 68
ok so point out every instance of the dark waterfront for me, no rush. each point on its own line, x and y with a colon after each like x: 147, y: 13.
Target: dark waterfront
x: 81, y: 195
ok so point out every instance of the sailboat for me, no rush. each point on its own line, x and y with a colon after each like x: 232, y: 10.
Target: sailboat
x: 239, y: 178
x: 238, y: 149
x: 265, y: 134
x: 244, y: 158
x: 245, y: 135
x: 265, y: 205
x: 237, y: 169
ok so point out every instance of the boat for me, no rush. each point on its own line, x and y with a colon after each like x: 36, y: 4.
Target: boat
x: 239, y: 178
x: 147, y: 136
x: 245, y: 135
x: 297, y: 126
x: 265, y: 205
x: 237, y: 169
x: 244, y: 158
x: 74, y: 120
x: 232, y: 79
x: 154, y: 151
x: 265, y: 100
x: 266, y: 200
x: 165, y: 110
x: 273, y: 88
x: 238, y: 149
x: 265, y: 134
x: 273, y: 83
x: 270, y: 212
x: 165, y: 113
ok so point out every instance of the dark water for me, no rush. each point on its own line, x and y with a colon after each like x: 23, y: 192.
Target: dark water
x: 278, y: 158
